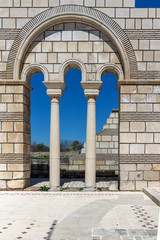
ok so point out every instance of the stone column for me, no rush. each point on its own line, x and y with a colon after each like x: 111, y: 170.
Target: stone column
x: 91, y: 91
x: 90, y: 175
x: 55, y: 92
x: 55, y: 145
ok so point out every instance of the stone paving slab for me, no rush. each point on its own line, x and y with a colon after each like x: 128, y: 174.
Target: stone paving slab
x: 154, y: 194
x: 77, y: 216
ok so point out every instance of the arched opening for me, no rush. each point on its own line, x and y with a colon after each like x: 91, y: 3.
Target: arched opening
x: 73, y: 109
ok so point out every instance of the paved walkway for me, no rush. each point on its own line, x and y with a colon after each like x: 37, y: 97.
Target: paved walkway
x: 77, y: 216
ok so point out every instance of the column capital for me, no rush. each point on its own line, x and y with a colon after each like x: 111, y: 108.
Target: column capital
x: 55, y: 89
x: 91, y: 88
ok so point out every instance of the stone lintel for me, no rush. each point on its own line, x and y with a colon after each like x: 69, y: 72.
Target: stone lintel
x: 138, y: 82
x: 15, y: 82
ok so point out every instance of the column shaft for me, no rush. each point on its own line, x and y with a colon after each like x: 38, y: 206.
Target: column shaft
x: 54, y: 144
x: 90, y: 175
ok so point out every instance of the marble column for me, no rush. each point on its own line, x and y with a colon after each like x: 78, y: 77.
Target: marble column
x: 55, y: 92
x: 91, y: 91
x: 55, y: 145
x: 90, y: 175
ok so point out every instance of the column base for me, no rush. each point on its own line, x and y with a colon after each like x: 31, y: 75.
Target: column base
x: 89, y: 189
x: 55, y: 189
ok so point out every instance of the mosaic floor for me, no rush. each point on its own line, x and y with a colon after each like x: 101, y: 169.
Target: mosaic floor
x: 77, y: 216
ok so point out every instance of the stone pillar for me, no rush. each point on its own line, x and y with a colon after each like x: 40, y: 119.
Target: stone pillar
x: 90, y: 176
x: 55, y: 92
x: 91, y: 91
x: 54, y: 145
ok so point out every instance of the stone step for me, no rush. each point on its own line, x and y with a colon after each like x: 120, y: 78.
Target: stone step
x: 153, y: 194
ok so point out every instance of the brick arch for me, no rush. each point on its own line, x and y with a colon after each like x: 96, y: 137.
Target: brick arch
x: 71, y: 13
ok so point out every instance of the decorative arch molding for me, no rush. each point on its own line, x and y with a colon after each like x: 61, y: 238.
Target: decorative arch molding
x: 32, y: 69
x: 70, y: 13
x: 110, y: 68
x: 72, y: 63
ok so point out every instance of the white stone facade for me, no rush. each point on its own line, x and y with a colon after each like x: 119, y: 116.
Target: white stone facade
x: 97, y: 37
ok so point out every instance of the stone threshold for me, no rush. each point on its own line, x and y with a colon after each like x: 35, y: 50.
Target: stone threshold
x: 153, y: 194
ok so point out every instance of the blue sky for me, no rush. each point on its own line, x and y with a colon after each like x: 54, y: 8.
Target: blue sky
x: 73, y: 105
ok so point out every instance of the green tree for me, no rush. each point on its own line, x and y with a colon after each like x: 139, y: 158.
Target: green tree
x: 75, y: 146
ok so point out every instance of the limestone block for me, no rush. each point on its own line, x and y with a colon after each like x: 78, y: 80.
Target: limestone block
x: 144, y: 137
x: 52, y: 36
x: 157, y: 137
x: 156, y: 108
x: 129, y: 3
x: 4, y: 12
x: 140, y: 185
x: 92, y: 57
x: 17, y: 184
x: 46, y: 47
x: 138, y: 13
x: 25, y: 3
x: 145, y: 89
x: 7, y: 126
x: 153, y: 98
x: 113, y: 3
x: 3, y: 137
x: 7, y: 98
x: 144, y: 167
x: 3, y: 184
x: 3, y: 167
x: 155, y: 44
x: 157, y: 56
x: 52, y: 58
x: 147, y: 24
x: 90, y: 3
x: 138, y: 176
x: 106, y: 138
x: 82, y: 56
x: 156, y: 166
x: 63, y: 57
x: 2, y: 89
x: 127, y: 185
x: 138, y: 98
x: 100, y: 3
x: 67, y: 36
x: 113, y: 186
x: 32, y: 12
x: 18, y: 12
x: 156, y: 89
x: 98, y: 46
x: 72, y: 47
x: 153, y: 66
x: 73, y: 167
x: 153, y: 127
x: 124, y: 148
x: 128, y: 107
x: 135, y: 44
x: 41, y: 57
x: 14, y: 89
x: 136, y: 148
x: 5, y: 175
x: 129, y: 89
x: 77, y: 2
x: 80, y: 36
x: 152, y: 149
x: 3, y: 107
x: 60, y: 46
x: 142, y: 66
x: 114, y: 58
x: 9, y: 23
x: 104, y: 145
x: 124, y: 126
x: 15, y: 107
x: 53, y: 3
x: 127, y: 137
x: 37, y: 3
x: 153, y: 184
x: 144, y: 44
x: 18, y: 167
x: 18, y: 126
x: 152, y: 13
x: 85, y: 46
x: 137, y: 127
x: 7, y: 148
x: 122, y: 12
x: 151, y: 175
x: 148, y: 56
x: 5, y: 55
x: 128, y: 167
x: 30, y: 58
x: 124, y: 175
x: 15, y: 137
x: 130, y: 24
x: 139, y: 55
x: 115, y: 138
x: 94, y: 35
x: 3, y: 67
x: 21, y: 175
x: 103, y: 57
x: 144, y: 107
